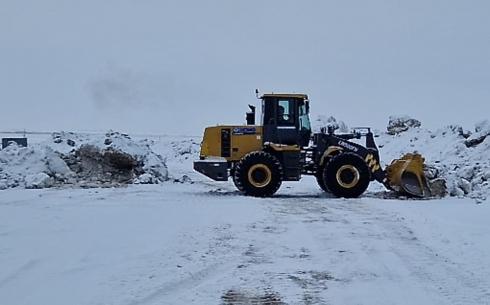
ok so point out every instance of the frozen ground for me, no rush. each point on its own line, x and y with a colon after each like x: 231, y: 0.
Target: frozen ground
x: 203, y: 243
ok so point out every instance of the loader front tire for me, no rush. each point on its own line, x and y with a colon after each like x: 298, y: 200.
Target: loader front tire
x: 258, y: 174
x: 320, y: 180
x: 347, y: 175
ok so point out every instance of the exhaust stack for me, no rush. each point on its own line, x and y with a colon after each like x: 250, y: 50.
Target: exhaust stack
x: 251, y: 115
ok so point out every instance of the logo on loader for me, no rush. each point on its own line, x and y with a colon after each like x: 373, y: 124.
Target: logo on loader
x: 348, y: 146
x: 244, y: 130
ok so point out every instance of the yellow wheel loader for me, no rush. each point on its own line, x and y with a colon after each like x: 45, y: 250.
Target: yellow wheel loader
x: 282, y: 147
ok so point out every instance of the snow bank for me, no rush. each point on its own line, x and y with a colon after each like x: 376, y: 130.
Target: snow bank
x: 179, y: 153
x: 82, y: 160
x: 31, y: 167
x: 466, y: 168
x: 399, y: 124
x: 323, y: 121
x: 482, y: 130
x: 458, y: 156
x: 183, y: 149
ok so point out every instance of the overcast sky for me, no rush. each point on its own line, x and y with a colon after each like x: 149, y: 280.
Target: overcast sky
x: 149, y: 66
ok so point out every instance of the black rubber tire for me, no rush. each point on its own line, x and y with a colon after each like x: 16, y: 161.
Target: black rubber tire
x: 335, y: 164
x: 232, y: 175
x: 320, y: 180
x: 241, y: 174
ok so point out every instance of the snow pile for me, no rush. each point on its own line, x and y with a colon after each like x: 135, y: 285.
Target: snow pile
x: 179, y: 154
x: 31, y: 167
x: 482, y: 130
x: 83, y: 160
x: 323, y: 121
x: 458, y: 160
x: 182, y: 150
x: 466, y: 168
x: 399, y: 124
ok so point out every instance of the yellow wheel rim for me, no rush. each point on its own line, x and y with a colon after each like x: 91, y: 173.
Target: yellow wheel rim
x: 347, y: 171
x: 259, y: 175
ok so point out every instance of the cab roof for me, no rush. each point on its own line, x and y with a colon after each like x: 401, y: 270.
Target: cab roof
x: 285, y: 95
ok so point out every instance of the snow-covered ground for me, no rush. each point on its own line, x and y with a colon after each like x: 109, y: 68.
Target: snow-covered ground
x: 203, y: 243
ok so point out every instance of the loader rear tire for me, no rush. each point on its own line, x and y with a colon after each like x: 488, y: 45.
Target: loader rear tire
x: 258, y: 174
x: 347, y: 175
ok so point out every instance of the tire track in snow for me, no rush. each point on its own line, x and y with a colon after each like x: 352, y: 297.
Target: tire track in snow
x: 449, y: 279
x: 443, y: 278
x: 205, y: 269
x: 278, y: 261
x: 26, y: 267
x: 174, y: 289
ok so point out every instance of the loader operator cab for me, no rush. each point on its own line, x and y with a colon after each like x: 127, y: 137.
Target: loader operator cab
x: 285, y: 119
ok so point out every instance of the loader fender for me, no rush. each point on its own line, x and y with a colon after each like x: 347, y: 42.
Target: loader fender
x: 329, y: 152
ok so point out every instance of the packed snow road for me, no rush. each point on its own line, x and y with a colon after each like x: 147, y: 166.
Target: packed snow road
x: 203, y: 243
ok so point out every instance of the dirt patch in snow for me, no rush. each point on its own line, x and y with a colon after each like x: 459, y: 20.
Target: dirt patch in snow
x: 92, y: 164
x: 234, y: 297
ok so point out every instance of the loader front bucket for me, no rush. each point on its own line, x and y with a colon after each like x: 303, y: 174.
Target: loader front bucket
x: 406, y: 176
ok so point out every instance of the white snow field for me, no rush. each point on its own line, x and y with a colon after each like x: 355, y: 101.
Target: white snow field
x: 179, y: 242
x: 203, y: 243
